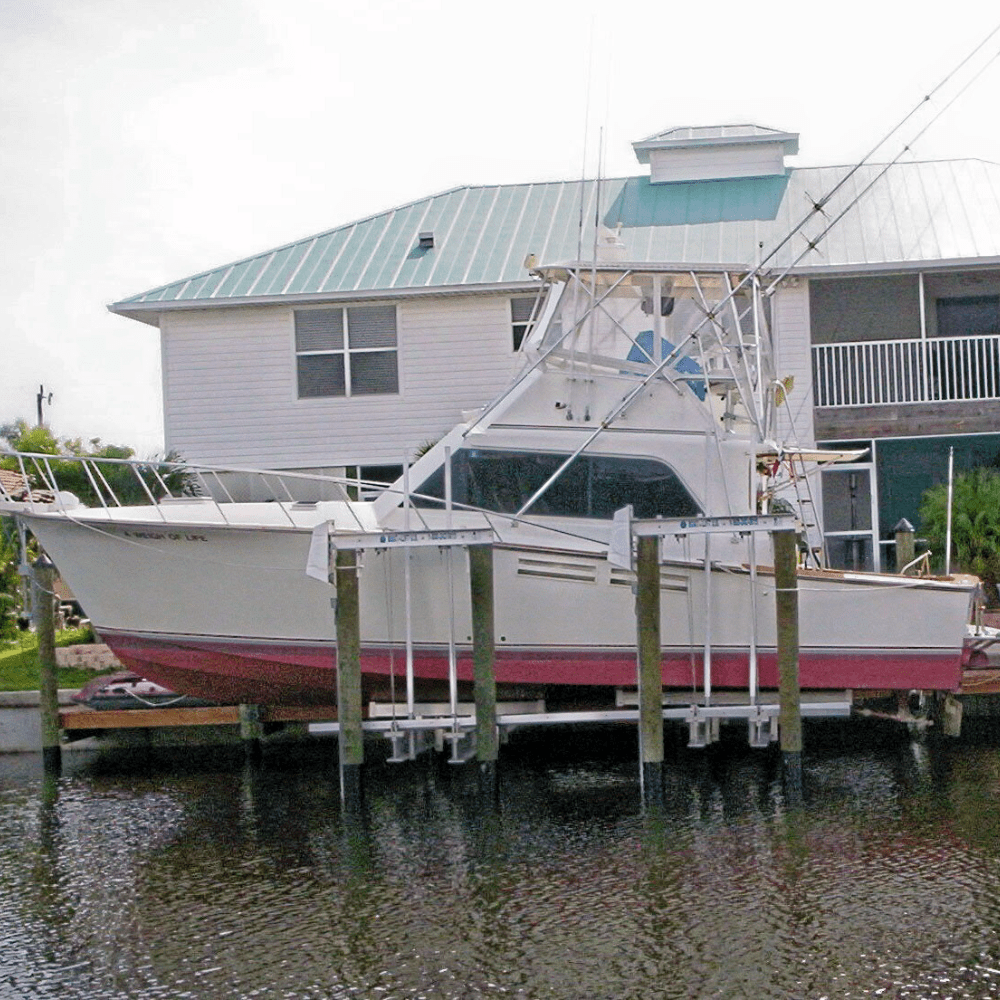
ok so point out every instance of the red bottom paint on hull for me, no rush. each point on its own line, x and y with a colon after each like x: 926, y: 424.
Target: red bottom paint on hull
x: 302, y: 674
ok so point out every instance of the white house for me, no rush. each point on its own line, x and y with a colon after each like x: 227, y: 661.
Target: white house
x: 354, y: 347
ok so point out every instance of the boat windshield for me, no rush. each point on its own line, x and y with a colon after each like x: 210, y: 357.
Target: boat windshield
x: 593, y: 486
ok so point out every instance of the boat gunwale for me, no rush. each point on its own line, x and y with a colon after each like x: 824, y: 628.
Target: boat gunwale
x: 961, y: 581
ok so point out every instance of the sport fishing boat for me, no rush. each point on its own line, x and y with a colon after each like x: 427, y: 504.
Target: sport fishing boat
x: 650, y: 388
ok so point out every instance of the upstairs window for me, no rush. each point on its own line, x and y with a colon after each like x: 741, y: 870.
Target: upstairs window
x: 520, y: 318
x: 346, y: 351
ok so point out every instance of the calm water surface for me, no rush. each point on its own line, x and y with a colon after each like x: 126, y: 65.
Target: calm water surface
x: 196, y: 876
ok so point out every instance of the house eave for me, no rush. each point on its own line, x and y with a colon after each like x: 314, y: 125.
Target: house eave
x: 896, y: 267
x: 148, y: 312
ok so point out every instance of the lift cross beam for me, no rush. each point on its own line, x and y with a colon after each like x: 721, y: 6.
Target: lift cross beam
x: 742, y: 525
x: 411, y: 539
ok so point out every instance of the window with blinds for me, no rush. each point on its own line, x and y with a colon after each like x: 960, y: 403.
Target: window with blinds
x: 520, y: 318
x: 346, y: 351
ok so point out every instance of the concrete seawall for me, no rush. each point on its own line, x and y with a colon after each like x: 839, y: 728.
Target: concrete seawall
x: 21, y: 731
x: 20, y: 722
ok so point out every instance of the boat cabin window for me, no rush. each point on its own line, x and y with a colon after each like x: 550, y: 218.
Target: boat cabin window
x: 593, y: 486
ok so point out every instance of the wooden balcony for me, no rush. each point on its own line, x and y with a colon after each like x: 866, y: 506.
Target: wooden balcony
x: 889, y: 388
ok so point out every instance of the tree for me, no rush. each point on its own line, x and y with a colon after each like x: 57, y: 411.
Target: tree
x: 975, y: 528
x: 10, y: 581
x: 72, y: 476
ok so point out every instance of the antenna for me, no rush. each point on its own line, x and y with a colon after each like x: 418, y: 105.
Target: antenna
x: 586, y: 137
x: 812, y: 243
x: 818, y: 206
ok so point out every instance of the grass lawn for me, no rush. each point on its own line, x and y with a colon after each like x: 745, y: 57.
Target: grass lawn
x: 19, y: 667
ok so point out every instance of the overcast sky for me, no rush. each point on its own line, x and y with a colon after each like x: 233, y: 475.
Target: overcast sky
x: 145, y: 140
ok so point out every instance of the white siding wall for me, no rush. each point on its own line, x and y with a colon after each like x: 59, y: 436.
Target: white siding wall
x: 230, y: 392
x: 712, y: 162
x: 793, y: 356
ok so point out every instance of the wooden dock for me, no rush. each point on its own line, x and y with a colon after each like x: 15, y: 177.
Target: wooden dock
x: 87, y: 720
x: 986, y: 681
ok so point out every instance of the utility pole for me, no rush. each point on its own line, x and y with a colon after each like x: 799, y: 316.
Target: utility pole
x: 40, y: 399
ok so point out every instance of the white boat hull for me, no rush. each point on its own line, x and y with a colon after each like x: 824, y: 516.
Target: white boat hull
x: 228, y: 613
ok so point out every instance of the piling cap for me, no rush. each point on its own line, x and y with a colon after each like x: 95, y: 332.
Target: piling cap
x: 903, y: 526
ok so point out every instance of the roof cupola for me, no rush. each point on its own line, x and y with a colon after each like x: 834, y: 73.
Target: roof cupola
x: 715, y: 152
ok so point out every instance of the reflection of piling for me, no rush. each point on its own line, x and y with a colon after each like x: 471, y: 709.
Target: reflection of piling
x: 787, y: 609
x: 483, y: 655
x: 251, y: 731
x: 43, y: 603
x: 647, y: 611
x: 349, y: 712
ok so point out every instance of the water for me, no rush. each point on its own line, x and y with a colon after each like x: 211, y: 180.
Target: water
x: 198, y: 876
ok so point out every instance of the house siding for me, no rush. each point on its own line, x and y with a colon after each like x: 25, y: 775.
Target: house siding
x: 793, y: 357
x: 711, y: 162
x: 230, y: 385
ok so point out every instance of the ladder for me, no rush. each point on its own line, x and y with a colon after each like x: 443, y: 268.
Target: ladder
x: 806, y: 508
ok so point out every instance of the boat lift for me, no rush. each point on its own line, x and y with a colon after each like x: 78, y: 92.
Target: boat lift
x: 433, y: 722
x: 415, y: 727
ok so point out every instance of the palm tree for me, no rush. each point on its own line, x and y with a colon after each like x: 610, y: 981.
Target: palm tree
x: 975, y: 528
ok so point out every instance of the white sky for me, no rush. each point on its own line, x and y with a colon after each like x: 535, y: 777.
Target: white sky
x: 145, y: 140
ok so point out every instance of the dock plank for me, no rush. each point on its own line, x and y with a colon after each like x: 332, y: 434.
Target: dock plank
x: 206, y: 715
x: 980, y: 682
x: 143, y: 718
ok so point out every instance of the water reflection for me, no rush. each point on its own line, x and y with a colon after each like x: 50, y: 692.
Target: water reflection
x: 202, y: 876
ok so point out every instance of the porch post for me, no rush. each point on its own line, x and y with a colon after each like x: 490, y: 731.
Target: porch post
x: 905, y: 544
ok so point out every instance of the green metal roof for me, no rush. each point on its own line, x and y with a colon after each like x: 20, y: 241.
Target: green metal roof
x: 916, y: 215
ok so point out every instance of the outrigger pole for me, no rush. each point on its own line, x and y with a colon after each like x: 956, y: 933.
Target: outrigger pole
x: 752, y: 276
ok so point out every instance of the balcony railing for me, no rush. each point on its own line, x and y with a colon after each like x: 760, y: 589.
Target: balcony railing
x: 881, y: 372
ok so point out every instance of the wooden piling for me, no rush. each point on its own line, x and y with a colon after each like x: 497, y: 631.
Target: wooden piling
x: 787, y: 611
x: 905, y: 544
x: 251, y: 731
x: 43, y: 606
x: 483, y: 661
x: 647, y: 613
x: 349, y: 704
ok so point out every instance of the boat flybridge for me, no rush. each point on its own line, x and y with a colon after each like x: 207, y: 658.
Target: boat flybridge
x: 644, y: 388
x: 647, y: 397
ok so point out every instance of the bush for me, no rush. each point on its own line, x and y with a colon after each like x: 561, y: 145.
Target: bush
x: 71, y: 475
x: 10, y: 581
x: 975, y: 528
